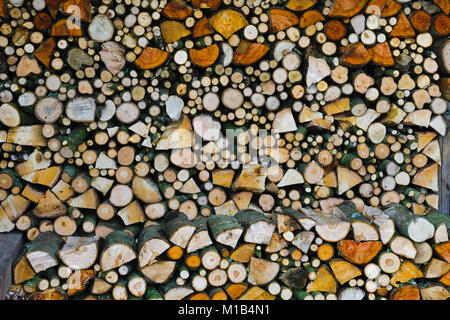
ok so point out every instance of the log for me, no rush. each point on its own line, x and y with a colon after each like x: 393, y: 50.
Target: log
x: 403, y: 246
x: 295, y: 277
x: 355, y: 55
x: 434, y: 292
x: 178, y: 228
x: 323, y: 282
x: 43, y: 251
x: 416, y: 228
x: 258, y: 228
x: 200, y: 238
x: 359, y: 253
x: 159, y: 272
x: 346, y: 8
x: 436, y: 268
x: 177, y: 9
x: 344, y: 271
x: 225, y: 229
x: 150, y: 244
x: 407, y: 271
x: 227, y: 22
x: 118, y: 249
x: 22, y: 270
x: 79, y: 253
x: 329, y: 227
x: 262, y: 271
x: 204, y: 57
x: 151, y: 58
x: 135, y: 143
x: 248, y: 53
x: 352, y: 293
x: 281, y: 19
x: 300, y: 5
x: 408, y: 292
x: 101, y: 28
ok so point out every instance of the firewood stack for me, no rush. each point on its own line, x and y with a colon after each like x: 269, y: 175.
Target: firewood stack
x: 218, y: 149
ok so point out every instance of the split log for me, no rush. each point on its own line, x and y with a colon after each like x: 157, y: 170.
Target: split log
x: 200, y: 238
x: 359, y: 253
x: 346, y: 8
x: 344, y: 271
x: 43, y: 251
x: 258, y: 228
x: 262, y: 271
x: 225, y: 229
x: 118, y: 249
x: 151, y: 58
x: 204, y: 57
x: 227, y: 22
x: 178, y: 228
x: 151, y: 243
x: 323, y: 282
x: 159, y: 272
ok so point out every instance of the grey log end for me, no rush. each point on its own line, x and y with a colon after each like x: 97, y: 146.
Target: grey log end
x: 10, y: 246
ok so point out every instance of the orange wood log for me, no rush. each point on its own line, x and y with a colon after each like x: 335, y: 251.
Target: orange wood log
x: 442, y: 24
x: 444, y: 5
x: 446, y: 279
x: 359, y: 252
x: 173, y: 31
x: 204, y: 57
x: 335, y: 30
x: 175, y: 253
x: 61, y: 29
x: 300, y: 5
x: 177, y: 9
x: 45, y: 51
x: 403, y: 28
x: 281, y: 19
x: 325, y: 252
x: 52, y: 294
x: 2, y: 9
x: 219, y: 295
x: 202, y: 28
x: 192, y: 261
x: 151, y: 58
x: 199, y: 296
x: 421, y: 21
x: 78, y: 281
x: 310, y: 17
x: 53, y: 6
x: 381, y: 55
x: 407, y: 292
x: 391, y: 8
x: 355, y: 55
x: 42, y: 21
x: 347, y: 8
x: 443, y: 250
x: 248, y: 53
x: 235, y: 290
x: 228, y: 21
x: 207, y: 4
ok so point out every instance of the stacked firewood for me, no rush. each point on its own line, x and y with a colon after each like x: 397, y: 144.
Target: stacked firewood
x: 289, y: 254
x: 225, y: 149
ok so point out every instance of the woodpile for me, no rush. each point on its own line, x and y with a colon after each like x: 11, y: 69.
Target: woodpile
x: 289, y: 254
x: 218, y: 149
